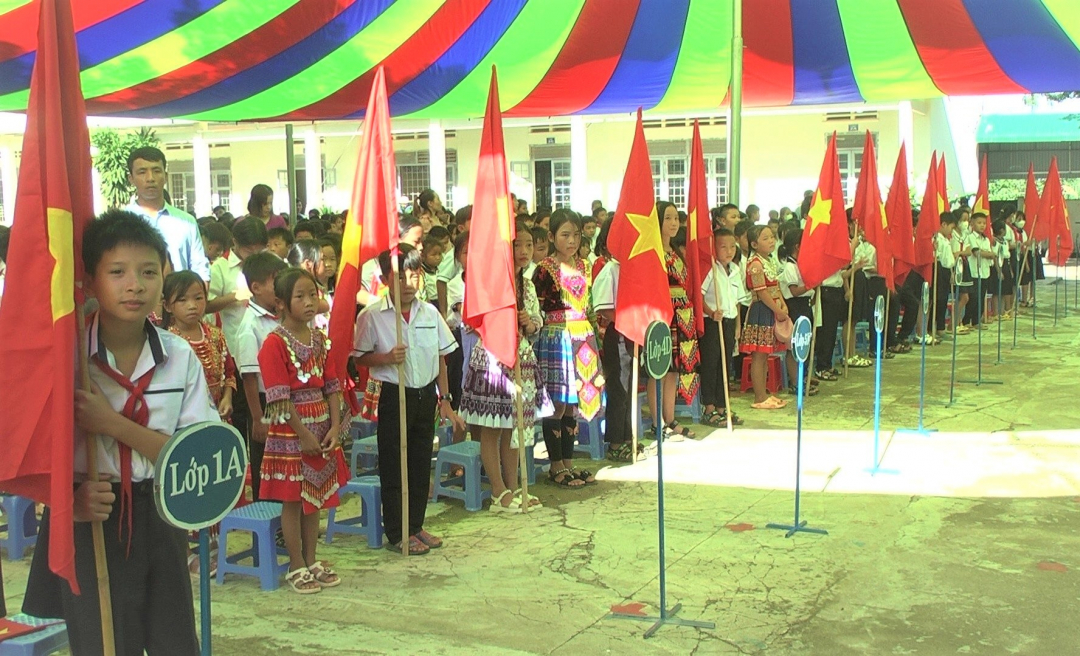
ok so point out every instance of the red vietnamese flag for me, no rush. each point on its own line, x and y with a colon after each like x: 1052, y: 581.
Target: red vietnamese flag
x: 372, y: 224
x: 1055, y: 215
x: 1031, y: 202
x: 873, y: 215
x: 1042, y: 229
x: 699, y: 237
x: 826, y: 247
x: 898, y: 211
x: 54, y: 204
x: 943, y: 204
x: 929, y: 223
x: 635, y: 242
x: 490, y: 300
x: 982, y: 199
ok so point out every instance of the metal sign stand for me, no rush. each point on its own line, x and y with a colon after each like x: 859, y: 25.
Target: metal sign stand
x: 922, y: 429
x: 879, y: 328
x: 979, y: 380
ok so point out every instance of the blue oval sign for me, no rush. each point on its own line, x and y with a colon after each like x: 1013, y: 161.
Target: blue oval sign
x: 657, y: 349
x: 879, y: 314
x: 199, y: 475
x: 800, y: 338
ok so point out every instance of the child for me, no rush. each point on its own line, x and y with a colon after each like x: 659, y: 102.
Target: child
x: 185, y: 306
x: 588, y: 228
x: 681, y: 377
x: 465, y: 337
x: 945, y: 259
x: 541, y: 244
x: 216, y: 239
x: 758, y: 335
x: 307, y: 254
x: 426, y: 342
x: 279, y: 241
x: 799, y: 300
x: 566, y: 349
x: 585, y: 250
x: 434, y: 248
x: 721, y: 321
x: 489, y: 400
x: 330, y: 248
x: 982, y: 255
x: 1004, y: 271
x: 303, y: 466
x: 963, y: 276
x: 259, y: 321
x: 228, y: 290
x: 306, y: 230
x: 148, y: 386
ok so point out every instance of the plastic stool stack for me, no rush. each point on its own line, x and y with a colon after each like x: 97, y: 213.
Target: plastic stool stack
x: 263, y: 520
x: 590, y: 438
x: 369, y: 522
x: 466, y: 488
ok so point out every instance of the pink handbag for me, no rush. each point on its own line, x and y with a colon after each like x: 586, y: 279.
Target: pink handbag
x: 783, y: 330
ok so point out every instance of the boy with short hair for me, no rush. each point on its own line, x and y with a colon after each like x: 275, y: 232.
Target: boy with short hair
x: 432, y: 261
x: 216, y: 239
x: 228, y: 290
x: 279, y: 241
x: 427, y: 340
x: 541, y: 243
x: 259, y: 321
x: 721, y: 321
x: 148, y: 385
x: 981, y: 258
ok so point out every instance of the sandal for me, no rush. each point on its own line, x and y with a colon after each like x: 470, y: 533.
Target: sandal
x: 713, y: 418
x: 564, y: 478
x: 735, y: 419
x: 771, y: 403
x: 826, y: 375
x: 302, y: 582
x: 585, y: 476
x: 858, y: 362
x: 621, y: 453
x: 324, y: 576
x: 416, y: 547
x: 674, y: 428
x: 497, y: 503
x: 428, y: 539
x: 537, y: 504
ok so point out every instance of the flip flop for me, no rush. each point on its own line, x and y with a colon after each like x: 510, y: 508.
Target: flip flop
x: 771, y: 403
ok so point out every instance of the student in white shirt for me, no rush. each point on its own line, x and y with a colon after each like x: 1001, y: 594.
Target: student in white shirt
x: 945, y: 257
x: 799, y: 301
x: 426, y: 342
x: 980, y: 260
x: 228, y: 290
x: 1004, y: 271
x: 259, y: 321
x: 721, y: 321
x: 148, y: 385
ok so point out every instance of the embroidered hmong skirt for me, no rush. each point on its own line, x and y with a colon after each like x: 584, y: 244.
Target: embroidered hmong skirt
x: 684, y: 345
x: 369, y: 409
x: 488, y: 397
x: 757, y: 334
x: 289, y: 475
x: 569, y: 362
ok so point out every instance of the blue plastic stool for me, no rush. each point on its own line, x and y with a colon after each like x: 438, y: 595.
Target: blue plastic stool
x: 22, y: 525
x: 590, y: 438
x: 263, y: 520
x: 693, y: 411
x: 365, y: 453
x: 862, y: 336
x: 369, y: 522
x: 445, y: 435
x: 45, y: 641
x: 467, y: 455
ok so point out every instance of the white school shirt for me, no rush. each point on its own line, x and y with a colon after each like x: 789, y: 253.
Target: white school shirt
x: 455, y: 295
x: 835, y: 280
x: 226, y: 277
x: 370, y: 275
x: 530, y: 269
x: 604, y: 288
x: 943, y: 251
x: 747, y: 296
x: 176, y: 398
x: 257, y: 324
x: 867, y: 254
x: 980, y: 267
x: 425, y: 334
x: 730, y: 289
x: 792, y: 276
x: 1001, y: 249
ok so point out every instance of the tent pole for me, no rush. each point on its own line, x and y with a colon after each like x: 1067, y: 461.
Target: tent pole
x: 290, y: 167
x: 734, y: 161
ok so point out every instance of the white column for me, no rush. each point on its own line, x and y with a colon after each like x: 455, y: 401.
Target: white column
x: 437, y: 157
x: 313, y: 182
x: 579, y: 166
x: 201, y: 153
x: 906, y: 133
x: 9, y: 181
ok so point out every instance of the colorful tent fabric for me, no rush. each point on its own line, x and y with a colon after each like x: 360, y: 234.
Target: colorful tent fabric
x: 230, y: 60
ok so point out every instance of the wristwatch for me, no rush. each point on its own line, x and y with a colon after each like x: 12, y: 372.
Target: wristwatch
x: 446, y: 397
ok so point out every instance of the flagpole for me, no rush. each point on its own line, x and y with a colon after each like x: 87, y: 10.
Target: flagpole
x: 735, y: 141
x: 849, y: 325
x: 522, y: 463
x: 402, y: 432
x: 933, y: 328
x: 723, y: 356
x: 888, y: 301
x: 101, y: 565
x: 815, y: 310
x: 635, y: 412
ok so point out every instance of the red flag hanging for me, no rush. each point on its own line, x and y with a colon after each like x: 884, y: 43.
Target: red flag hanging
x: 635, y: 242
x: 898, y: 211
x: 1054, y: 213
x: 826, y: 247
x: 943, y: 204
x: 1042, y: 229
x: 54, y: 203
x: 1031, y: 201
x: 875, y: 221
x: 699, y: 238
x: 490, y: 301
x: 982, y: 199
x: 372, y: 223
x: 929, y: 222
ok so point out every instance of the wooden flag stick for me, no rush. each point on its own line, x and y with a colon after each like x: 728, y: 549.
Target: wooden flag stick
x: 817, y: 312
x: 101, y: 566
x: 850, y: 327
x: 723, y: 355
x: 885, y: 322
x: 635, y: 412
x: 403, y: 429
x: 933, y: 327
x: 523, y: 434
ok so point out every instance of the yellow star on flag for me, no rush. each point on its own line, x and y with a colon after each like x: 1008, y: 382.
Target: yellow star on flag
x: 648, y: 228
x: 820, y: 212
x: 884, y: 219
x: 502, y: 210
x: 691, y: 223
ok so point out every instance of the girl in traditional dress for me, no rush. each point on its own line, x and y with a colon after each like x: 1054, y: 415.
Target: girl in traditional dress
x: 768, y: 307
x: 303, y: 466
x: 489, y: 400
x: 566, y: 349
x: 682, y: 377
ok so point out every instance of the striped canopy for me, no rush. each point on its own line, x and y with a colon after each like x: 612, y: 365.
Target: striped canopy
x: 237, y: 60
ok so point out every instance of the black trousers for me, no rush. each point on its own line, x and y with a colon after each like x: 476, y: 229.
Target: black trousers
x: 944, y: 288
x: 735, y: 373
x: 910, y: 294
x: 833, y: 313
x: 978, y: 290
x: 455, y: 370
x: 617, y: 411
x: 420, y: 406
x: 241, y: 419
x: 152, y: 603
x: 712, y: 373
x: 876, y: 287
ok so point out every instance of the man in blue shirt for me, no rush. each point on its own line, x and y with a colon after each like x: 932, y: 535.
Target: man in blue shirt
x: 146, y: 172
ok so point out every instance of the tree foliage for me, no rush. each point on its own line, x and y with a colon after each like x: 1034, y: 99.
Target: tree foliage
x: 110, y: 161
